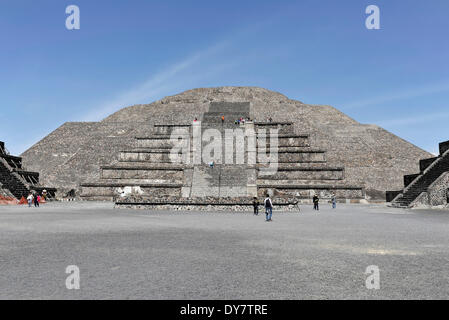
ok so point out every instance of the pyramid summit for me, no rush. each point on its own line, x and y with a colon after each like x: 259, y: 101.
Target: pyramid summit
x: 321, y: 150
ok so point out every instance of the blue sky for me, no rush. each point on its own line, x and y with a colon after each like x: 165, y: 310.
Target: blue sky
x: 135, y: 51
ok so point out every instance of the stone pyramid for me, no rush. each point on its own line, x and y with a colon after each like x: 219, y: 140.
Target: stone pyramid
x: 320, y: 150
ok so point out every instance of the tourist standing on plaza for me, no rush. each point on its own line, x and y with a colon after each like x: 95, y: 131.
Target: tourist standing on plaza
x: 36, y: 200
x: 315, y: 202
x: 268, y: 207
x: 256, y: 206
x: 30, y: 200
x: 222, y: 119
x: 334, y: 201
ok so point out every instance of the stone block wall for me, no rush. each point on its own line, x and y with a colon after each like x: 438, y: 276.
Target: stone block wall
x: 436, y: 195
x: 444, y: 146
x: 439, y: 191
x: 159, y: 174
x: 304, y: 192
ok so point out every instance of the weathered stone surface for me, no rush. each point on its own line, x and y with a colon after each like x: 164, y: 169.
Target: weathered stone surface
x: 425, y: 187
x: 15, y: 180
x: 202, y: 203
x: 438, y: 191
x: 436, y: 194
x: 372, y: 157
x: 5, y: 192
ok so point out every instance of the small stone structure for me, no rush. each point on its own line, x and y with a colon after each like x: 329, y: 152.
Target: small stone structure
x: 430, y: 187
x: 15, y: 180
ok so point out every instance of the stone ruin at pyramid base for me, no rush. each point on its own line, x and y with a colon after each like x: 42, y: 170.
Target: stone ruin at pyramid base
x: 429, y: 187
x: 17, y: 182
x: 125, y: 157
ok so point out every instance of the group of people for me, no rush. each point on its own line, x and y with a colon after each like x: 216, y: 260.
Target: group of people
x: 241, y: 120
x: 268, y: 205
x: 316, y: 201
x: 238, y: 121
x: 34, y: 199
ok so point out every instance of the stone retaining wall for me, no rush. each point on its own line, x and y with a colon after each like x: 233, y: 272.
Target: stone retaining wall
x: 436, y: 194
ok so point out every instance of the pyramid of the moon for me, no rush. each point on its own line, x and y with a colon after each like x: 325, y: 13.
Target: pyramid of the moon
x: 321, y: 150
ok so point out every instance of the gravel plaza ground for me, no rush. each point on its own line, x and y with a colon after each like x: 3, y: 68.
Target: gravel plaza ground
x: 141, y: 254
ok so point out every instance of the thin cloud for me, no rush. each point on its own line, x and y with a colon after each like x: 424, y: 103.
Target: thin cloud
x: 162, y: 83
x: 182, y: 75
x: 404, y: 95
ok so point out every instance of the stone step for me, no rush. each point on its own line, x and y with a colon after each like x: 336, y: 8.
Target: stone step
x: 282, y: 127
x: 143, y: 173
x: 290, y: 142
x: 409, y: 179
x: 294, y: 174
x: 29, y: 176
x: 164, y: 141
x: 13, y: 161
x: 287, y: 149
x: 425, y: 163
x: 301, y: 156
x: 167, y: 129
x: 307, y: 191
x: 261, y: 182
x: 159, y: 156
x: 443, y: 146
x: 140, y: 181
x: 11, y: 181
x: 144, y: 166
x: 111, y: 190
x: 298, y: 165
x: 164, y: 156
x: 8, y: 156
